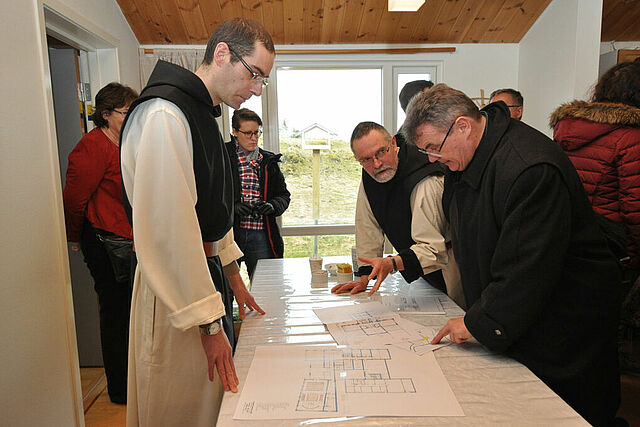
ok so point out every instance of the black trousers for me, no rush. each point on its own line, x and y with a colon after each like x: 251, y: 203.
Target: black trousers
x: 222, y: 285
x: 114, y: 299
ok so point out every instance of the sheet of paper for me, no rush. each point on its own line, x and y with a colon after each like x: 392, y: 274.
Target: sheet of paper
x: 387, y: 330
x: 421, y: 346
x: 292, y: 381
x: 374, y: 331
x: 400, y: 303
x: 366, y: 310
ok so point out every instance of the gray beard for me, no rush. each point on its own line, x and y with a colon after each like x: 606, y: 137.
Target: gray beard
x: 387, y: 177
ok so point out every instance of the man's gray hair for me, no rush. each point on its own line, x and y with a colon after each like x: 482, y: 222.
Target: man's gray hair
x: 517, y: 96
x: 363, y: 129
x: 439, y: 107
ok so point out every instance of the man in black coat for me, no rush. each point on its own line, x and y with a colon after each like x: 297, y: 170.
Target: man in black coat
x: 540, y: 282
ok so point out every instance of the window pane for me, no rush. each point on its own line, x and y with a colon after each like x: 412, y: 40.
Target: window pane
x: 403, y: 79
x: 302, y: 246
x: 320, y: 108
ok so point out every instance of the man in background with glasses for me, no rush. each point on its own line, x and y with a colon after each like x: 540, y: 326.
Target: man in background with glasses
x: 179, y: 195
x: 540, y: 282
x: 399, y: 197
x: 512, y: 98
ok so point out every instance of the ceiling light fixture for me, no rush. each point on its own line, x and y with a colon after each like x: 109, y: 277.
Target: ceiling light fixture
x: 405, y: 5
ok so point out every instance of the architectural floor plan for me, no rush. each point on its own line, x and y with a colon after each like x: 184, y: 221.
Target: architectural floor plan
x: 291, y: 381
x: 362, y: 370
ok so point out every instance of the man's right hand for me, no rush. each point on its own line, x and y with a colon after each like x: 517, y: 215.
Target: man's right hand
x: 220, y: 357
x: 352, y: 287
x: 242, y: 209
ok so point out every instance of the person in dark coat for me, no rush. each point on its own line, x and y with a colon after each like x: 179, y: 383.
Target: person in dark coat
x: 260, y: 191
x: 540, y: 281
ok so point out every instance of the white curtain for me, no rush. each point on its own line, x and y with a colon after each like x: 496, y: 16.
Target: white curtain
x: 187, y: 58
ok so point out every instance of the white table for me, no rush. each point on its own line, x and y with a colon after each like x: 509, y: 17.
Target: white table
x: 492, y: 389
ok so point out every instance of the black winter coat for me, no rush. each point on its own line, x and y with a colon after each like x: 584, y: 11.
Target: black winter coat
x: 272, y: 188
x: 539, y: 280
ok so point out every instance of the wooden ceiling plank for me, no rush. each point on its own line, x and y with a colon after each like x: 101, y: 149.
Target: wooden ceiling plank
x: 534, y: 10
x: 230, y: 9
x: 618, y: 21
x: 136, y: 21
x: 496, y: 32
x: 212, y: 15
x: 313, y: 16
x: 252, y: 9
x: 164, y: 21
x: 273, y: 19
x: 404, y: 27
x: 630, y: 30
x: 446, y: 20
x: 292, y: 21
x: 388, y: 22
x: 360, y: 21
x: 426, y: 21
x: 332, y: 21
x: 465, y: 20
x: 354, y: 10
x: 608, y: 6
x: 193, y: 21
x: 371, y: 17
x: 482, y: 21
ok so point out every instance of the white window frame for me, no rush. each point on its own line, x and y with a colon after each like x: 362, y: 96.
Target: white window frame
x: 432, y: 70
x: 390, y: 64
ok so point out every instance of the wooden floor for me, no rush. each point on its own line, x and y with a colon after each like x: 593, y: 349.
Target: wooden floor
x: 100, y: 412
x: 98, y: 409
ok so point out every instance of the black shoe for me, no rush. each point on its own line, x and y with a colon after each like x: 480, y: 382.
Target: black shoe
x: 118, y: 399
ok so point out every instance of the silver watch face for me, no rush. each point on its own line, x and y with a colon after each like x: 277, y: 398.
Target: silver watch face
x: 212, y: 328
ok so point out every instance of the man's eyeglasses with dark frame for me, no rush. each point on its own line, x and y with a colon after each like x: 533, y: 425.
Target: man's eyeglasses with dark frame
x: 431, y: 153
x: 254, y: 76
x: 367, y: 161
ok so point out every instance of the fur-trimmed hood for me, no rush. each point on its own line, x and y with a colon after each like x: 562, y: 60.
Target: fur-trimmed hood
x: 579, y: 123
x: 599, y: 112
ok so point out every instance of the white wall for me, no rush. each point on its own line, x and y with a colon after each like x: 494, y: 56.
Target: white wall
x: 559, y: 58
x: 40, y: 378
x: 482, y: 66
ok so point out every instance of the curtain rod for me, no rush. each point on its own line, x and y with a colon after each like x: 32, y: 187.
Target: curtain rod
x: 352, y: 51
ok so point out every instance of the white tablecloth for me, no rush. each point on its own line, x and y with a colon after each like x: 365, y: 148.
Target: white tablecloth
x: 492, y: 389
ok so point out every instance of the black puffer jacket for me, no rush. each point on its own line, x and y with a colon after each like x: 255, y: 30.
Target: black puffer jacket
x: 273, y: 189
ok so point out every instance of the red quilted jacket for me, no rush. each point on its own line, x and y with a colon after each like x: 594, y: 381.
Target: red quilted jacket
x: 603, y: 142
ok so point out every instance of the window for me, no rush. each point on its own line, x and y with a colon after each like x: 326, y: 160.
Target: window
x: 319, y: 108
x: 311, y: 106
x: 402, y: 76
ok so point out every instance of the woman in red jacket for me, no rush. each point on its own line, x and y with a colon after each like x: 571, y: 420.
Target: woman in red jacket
x: 97, y: 225
x: 602, y: 139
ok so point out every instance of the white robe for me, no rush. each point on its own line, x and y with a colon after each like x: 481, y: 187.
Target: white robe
x: 429, y: 229
x: 173, y: 292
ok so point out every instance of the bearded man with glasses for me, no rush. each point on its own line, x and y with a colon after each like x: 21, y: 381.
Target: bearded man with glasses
x: 399, y: 197
x: 540, y: 282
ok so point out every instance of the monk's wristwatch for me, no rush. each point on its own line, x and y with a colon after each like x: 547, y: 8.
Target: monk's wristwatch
x: 211, y: 328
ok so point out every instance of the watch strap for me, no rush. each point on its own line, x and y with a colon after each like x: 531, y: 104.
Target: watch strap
x: 393, y: 261
x: 211, y: 328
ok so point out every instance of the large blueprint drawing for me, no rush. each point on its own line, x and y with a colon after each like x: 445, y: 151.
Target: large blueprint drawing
x: 291, y: 381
